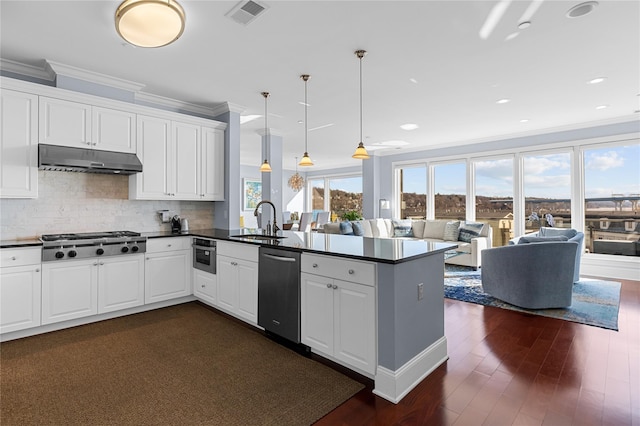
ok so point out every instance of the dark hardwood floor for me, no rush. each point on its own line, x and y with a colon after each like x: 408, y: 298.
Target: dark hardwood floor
x: 509, y: 368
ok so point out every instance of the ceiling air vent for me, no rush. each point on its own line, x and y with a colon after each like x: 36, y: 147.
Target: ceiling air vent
x: 246, y: 11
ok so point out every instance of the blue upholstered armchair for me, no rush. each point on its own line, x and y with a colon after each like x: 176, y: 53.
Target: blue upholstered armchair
x: 546, y: 234
x: 533, y: 276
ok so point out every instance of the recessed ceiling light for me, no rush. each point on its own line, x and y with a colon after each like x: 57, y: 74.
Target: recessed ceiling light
x: 409, y: 126
x: 597, y: 80
x: 413, y: 80
x: 524, y: 25
x: 602, y: 107
x: 581, y: 9
x: 503, y: 101
x: 524, y: 120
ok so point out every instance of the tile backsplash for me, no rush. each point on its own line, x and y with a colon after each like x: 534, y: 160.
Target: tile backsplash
x: 84, y: 202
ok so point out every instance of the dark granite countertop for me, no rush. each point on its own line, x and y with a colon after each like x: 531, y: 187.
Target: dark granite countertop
x: 27, y: 242
x: 385, y: 250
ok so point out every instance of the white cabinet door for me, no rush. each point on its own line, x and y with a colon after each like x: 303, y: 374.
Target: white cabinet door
x: 153, y: 149
x: 354, y: 326
x: 18, y: 145
x: 120, y: 283
x: 186, y: 167
x: 167, y: 275
x: 64, y: 123
x: 317, y: 318
x: 69, y: 290
x: 113, y: 130
x: 212, y: 165
x: 227, y: 283
x: 19, y: 298
x: 247, y: 290
x: 205, y: 286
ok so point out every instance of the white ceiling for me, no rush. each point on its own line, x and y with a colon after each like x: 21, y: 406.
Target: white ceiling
x: 426, y: 64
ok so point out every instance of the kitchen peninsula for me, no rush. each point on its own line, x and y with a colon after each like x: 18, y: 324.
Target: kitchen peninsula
x: 397, y: 282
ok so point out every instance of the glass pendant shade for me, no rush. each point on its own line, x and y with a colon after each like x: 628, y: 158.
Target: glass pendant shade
x: 265, y: 167
x: 305, y: 160
x: 150, y: 23
x: 361, y: 153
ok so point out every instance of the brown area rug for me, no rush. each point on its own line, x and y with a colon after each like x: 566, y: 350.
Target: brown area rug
x: 181, y: 365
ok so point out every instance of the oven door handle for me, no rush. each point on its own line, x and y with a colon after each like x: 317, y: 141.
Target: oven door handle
x: 203, y: 247
x: 279, y: 258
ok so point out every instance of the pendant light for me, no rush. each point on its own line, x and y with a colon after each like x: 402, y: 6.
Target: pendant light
x: 361, y: 153
x: 305, y: 160
x: 150, y: 23
x: 296, y: 182
x: 265, y: 167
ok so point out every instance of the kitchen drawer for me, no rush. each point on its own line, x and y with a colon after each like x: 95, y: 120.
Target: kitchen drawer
x: 339, y: 268
x: 247, y: 252
x: 158, y: 245
x: 20, y: 256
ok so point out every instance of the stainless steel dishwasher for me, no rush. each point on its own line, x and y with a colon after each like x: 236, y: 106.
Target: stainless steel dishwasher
x: 279, y: 292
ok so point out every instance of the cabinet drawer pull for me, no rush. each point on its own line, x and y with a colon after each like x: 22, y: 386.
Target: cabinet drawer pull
x: 315, y: 265
x: 37, y: 269
x: 13, y: 258
x: 351, y: 272
x: 328, y: 285
x: 335, y: 286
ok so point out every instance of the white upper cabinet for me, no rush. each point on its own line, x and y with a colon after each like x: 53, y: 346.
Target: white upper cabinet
x: 113, y: 130
x: 212, y: 164
x: 186, y: 151
x: 154, y: 150
x: 18, y: 144
x: 64, y: 123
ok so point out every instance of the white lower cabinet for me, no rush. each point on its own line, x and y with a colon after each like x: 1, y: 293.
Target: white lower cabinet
x: 20, y: 289
x: 337, y: 316
x: 205, y: 286
x: 167, y: 269
x: 80, y: 288
x: 237, y: 267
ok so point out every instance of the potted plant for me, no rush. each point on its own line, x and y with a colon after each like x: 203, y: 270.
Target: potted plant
x: 351, y: 215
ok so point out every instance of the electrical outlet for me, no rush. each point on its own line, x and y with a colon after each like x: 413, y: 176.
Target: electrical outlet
x: 420, y: 291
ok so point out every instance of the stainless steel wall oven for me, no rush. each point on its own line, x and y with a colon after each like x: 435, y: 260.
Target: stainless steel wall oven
x: 204, y: 255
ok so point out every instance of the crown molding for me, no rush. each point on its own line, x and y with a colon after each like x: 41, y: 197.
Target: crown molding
x: 227, y: 107
x: 92, y: 77
x: 27, y: 70
x: 269, y: 132
x: 175, y: 104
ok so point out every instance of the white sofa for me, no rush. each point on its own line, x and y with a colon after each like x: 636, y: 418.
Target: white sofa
x: 467, y: 253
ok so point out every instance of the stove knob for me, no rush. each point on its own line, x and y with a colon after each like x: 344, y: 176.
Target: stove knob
x: 59, y: 254
x: 135, y: 248
x: 124, y: 249
x: 100, y: 251
x: 72, y: 253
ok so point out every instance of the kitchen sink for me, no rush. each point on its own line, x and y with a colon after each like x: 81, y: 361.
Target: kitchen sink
x: 257, y: 237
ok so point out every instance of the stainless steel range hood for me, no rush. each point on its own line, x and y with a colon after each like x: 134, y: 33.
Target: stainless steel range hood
x: 63, y: 158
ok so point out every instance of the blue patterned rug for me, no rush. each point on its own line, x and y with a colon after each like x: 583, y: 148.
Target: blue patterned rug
x: 595, y: 302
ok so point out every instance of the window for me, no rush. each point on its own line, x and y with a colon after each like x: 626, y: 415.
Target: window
x: 413, y: 192
x: 547, y: 191
x: 317, y: 194
x: 345, y: 194
x: 612, y: 199
x: 450, y: 188
x: 494, y: 197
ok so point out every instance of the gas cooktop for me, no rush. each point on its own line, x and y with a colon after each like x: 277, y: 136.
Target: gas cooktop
x: 91, y: 244
x: 89, y: 235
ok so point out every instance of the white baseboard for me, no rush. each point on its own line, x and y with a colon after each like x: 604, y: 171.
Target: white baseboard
x: 394, y: 385
x: 609, y: 266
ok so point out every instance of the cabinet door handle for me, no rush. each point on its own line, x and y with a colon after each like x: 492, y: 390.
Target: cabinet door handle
x: 95, y: 263
x: 335, y: 286
x: 37, y: 269
x: 101, y: 263
x: 315, y: 265
x: 328, y: 285
x: 168, y: 245
x: 351, y: 272
x: 13, y: 258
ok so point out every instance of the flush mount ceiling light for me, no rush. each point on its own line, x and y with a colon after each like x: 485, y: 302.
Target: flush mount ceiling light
x: 150, y: 23
x: 265, y: 167
x: 582, y: 9
x: 361, y: 153
x: 305, y: 160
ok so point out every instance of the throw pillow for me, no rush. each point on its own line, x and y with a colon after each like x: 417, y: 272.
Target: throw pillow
x: 527, y: 240
x: 357, y: 228
x: 469, y: 230
x: 402, y: 228
x: 346, y: 228
x: 451, y: 230
x: 552, y: 232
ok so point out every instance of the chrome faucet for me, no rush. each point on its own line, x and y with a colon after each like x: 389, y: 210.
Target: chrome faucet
x: 274, y: 229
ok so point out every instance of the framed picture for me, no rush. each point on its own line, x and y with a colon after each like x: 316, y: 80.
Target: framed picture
x: 252, y: 193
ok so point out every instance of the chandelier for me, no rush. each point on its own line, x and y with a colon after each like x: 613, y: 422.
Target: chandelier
x: 296, y: 182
